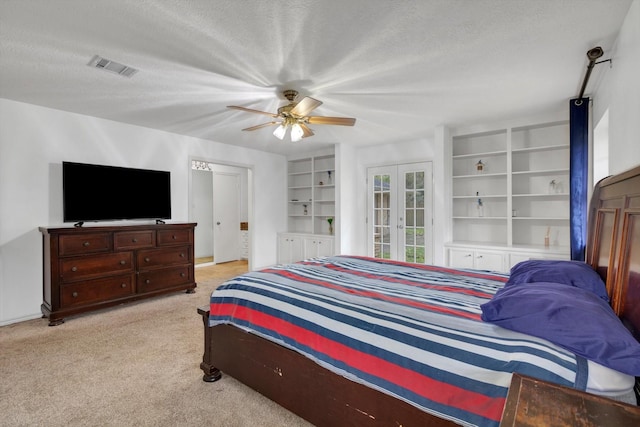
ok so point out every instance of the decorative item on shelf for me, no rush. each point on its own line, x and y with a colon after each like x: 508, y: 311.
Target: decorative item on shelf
x: 330, y: 221
x: 305, y: 209
x: 321, y: 183
x: 514, y: 213
x: 480, y: 167
x: 479, y: 205
x: 546, y: 237
x: 552, y: 186
x: 329, y: 182
x: 559, y: 187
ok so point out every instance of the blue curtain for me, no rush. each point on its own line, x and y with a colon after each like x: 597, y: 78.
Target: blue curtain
x: 578, y: 175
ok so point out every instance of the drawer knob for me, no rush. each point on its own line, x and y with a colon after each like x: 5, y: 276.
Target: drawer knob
x: 181, y: 255
x: 75, y: 294
x: 74, y: 268
x: 182, y: 274
x: 147, y: 281
x: 85, y: 244
x: 124, y: 285
x: 134, y: 240
x: 123, y: 262
x: 147, y: 259
x: 174, y: 237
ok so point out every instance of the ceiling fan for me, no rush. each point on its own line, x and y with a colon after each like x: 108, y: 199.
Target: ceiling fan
x: 295, y: 115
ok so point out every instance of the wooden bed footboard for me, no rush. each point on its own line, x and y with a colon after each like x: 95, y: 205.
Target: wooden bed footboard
x: 300, y: 385
x: 211, y: 373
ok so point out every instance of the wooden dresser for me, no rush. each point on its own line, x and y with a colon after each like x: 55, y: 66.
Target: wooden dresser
x: 89, y: 268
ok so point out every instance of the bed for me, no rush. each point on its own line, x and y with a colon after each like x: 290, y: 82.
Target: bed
x: 376, y: 342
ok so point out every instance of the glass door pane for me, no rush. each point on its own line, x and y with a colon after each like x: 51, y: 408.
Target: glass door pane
x: 414, y: 238
x: 381, y: 216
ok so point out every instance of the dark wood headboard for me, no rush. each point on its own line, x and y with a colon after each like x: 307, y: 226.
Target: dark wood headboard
x: 613, y: 246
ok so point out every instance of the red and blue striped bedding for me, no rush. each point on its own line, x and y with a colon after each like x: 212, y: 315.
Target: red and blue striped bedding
x: 411, y: 331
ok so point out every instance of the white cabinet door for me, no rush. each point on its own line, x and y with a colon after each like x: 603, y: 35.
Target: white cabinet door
x: 493, y: 261
x: 460, y: 258
x: 290, y: 248
x: 476, y: 258
x: 315, y: 246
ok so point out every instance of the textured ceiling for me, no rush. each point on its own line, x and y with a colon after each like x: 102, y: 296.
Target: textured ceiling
x: 400, y: 67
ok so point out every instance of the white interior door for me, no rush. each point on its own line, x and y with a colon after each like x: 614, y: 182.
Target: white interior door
x: 400, y: 217
x: 226, y: 217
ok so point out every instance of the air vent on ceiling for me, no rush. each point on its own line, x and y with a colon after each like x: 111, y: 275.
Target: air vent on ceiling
x: 114, y: 67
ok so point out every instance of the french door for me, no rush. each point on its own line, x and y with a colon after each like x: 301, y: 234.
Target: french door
x: 400, y: 212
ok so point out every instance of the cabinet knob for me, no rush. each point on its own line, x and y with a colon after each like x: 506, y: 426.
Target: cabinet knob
x: 134, y: 240
x: 75, y: 294
x: 147, y: 281
x: 85, y: 244
x: 123, y: 285
x: 74, y: 268
x: 147, y: 259
x: 467, y: 255
x: 122, y: 262
x: 479, y: 256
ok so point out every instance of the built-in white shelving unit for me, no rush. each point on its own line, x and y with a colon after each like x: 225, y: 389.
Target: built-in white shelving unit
x: 310, y: 203
x: 510, y: 190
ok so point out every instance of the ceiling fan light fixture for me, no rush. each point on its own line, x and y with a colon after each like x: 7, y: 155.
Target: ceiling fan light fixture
x: 296, y: 133
x: 279, y: 132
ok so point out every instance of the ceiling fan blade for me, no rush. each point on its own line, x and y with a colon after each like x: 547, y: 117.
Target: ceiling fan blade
x: 305, y: 130
x: 250, y: 110
x: 320, y: 120
x: 305, y: 106
x: 264, y: 125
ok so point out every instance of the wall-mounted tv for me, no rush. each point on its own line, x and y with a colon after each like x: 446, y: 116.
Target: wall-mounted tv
x: 105, y: 193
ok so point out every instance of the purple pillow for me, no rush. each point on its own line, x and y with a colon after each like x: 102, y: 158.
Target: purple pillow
x: 572, y: 273
x: 569, y: 317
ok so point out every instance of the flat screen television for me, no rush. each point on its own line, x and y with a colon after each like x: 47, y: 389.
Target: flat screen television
x: 106, y: 193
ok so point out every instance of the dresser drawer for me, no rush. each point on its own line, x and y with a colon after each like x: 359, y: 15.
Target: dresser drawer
x: 79, y: 268
x: 84, y: 244
x: 97, y: 290
x: 154, y: 280
x: 154, y: 258
x: 174, y: 237
x: 134, y: 240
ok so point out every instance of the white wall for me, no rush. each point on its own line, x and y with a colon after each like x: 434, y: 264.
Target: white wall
x: 35, y: 140
x: 618, y: 92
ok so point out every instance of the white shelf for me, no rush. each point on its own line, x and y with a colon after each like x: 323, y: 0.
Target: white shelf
x: 481, y: 218
x: 479, y: 155
x: 482, y: 175
x: 485, y: 196
x: 542, y: 195
x: 542, y: 172
x: 541, y: 148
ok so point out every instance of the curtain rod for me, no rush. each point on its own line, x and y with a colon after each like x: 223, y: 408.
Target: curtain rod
x: 592, y: 54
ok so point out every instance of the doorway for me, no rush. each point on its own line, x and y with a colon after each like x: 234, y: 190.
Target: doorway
x: 219, y: 203
x: 400, y: 212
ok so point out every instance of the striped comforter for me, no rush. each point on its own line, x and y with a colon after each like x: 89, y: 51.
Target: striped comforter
x: 412, y: 331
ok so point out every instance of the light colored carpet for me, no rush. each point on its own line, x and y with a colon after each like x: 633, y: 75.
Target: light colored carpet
x: 133, y: 365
